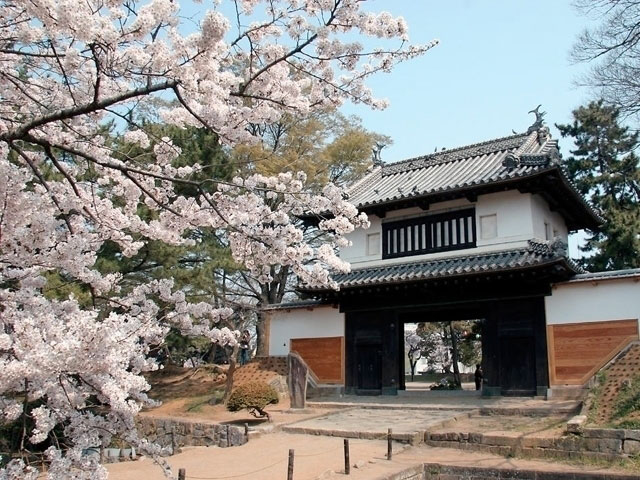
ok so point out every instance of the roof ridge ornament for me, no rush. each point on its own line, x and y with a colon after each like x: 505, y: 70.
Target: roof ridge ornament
x: 523, y: 157
x: 377, y: 153
x: 539, y: 123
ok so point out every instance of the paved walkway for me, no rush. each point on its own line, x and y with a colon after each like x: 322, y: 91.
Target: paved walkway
x: 449, y: 401
x: 374, y: 423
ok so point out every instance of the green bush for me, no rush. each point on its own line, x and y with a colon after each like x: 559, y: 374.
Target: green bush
x: 254, y: 396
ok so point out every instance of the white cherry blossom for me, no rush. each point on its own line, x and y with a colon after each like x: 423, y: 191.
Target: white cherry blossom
x: 70, y: 68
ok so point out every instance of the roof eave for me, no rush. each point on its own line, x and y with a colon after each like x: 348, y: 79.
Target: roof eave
x: 570, y: 268
x: 582, y: 216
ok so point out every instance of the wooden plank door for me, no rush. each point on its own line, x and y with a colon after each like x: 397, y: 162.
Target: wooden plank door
x: 369, y: 360
x: 517, y: 365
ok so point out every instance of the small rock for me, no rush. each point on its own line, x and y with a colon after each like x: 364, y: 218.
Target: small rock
x: 325, y: 474
x: 360, y: 464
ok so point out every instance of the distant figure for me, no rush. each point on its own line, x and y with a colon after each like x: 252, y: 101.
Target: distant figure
x: 244, y: 347
x: 478, y: 376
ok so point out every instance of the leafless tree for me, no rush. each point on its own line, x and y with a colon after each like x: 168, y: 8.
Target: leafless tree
x: 613, y: 49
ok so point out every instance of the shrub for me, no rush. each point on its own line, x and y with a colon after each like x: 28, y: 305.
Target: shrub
x: 254, y: 396
x: 445, y: 384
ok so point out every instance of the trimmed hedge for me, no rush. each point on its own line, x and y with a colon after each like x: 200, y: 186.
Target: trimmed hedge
x: 254, y: 396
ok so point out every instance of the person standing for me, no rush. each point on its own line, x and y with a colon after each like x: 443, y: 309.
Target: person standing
x: 478, y: 376
x: 245, y: 338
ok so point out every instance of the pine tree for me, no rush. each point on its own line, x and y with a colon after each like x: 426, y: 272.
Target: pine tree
x: 604, y: 167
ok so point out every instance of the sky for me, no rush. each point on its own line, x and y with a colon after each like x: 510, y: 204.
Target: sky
x: 497, y: 59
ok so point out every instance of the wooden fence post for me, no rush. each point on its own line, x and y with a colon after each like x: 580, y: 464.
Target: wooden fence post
x: 182, y: 474
x: 290, y: 469
x: 347, y: 462
x: 389, y: 448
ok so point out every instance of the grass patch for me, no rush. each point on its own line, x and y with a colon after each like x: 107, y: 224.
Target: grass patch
x: 594, y: 398
x: 627, y: 403
x: 195, y: 404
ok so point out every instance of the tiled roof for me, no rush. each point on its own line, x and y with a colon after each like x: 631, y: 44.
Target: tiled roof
x: 498, y: 161
x: 610, y: 275
x: 536, y: 254
x: 293, y: 305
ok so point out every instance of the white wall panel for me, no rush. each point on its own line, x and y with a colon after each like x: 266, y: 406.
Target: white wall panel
x: 303, y: 323
x: 590, y: 301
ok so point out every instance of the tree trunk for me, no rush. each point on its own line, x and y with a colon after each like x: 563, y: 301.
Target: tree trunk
x: 412, y: 364
x: 454, y: 352
x: 232, y: 368
x: 261, y: 335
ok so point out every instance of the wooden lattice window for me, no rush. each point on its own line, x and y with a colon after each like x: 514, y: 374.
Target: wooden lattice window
x: 432, y: 233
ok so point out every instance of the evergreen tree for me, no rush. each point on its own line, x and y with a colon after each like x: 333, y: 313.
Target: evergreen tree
x: 604, y: 167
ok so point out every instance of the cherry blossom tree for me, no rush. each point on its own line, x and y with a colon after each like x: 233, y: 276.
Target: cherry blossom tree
x: 69, y: 71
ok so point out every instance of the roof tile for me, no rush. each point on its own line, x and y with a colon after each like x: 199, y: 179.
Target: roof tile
x: 535, y: 254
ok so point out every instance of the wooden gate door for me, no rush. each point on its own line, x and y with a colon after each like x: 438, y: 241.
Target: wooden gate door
x: 369, y: 359
x: 517, y: 366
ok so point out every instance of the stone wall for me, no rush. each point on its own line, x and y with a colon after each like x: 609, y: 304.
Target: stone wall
x: 605, y: 444
x: 434, y: 471
x: 178, y: 433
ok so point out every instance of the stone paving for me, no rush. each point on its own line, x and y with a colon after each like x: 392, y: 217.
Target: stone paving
x: 407, y: 425
x: 451, y: 401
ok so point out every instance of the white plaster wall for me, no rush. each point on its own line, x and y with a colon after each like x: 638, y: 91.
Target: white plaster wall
x: 357, y: 252
x: 318, y: 322
x: 541, y: 214
x: 515, y: 226
x: 513, y: 212
x: 588, y: 301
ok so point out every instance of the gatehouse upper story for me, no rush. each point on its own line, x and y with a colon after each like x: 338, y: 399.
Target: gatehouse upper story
x: 477, y: 199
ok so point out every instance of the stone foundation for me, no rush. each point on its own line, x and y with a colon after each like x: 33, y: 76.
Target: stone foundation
x: 171, y: 432
x: 435, y: 471
x: 603, y: 444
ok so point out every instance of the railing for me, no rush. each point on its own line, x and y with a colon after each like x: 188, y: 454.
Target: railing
x: 431, y: 233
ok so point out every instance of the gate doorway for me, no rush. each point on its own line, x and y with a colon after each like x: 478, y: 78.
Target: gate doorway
x: 442, y: 355
x: 510, y: 335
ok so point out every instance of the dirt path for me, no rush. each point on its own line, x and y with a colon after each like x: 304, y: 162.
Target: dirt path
x: 265, y: 458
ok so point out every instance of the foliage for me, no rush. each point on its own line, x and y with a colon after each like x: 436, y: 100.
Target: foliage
x: 446, y: 383
x: 414, y: 345
x: 436, y: 344
x: 605, y: 170
x: 613, y: 47
x: 76, y: 73
x: 328, y: 146
x: 626, y: 403
x: 253, y: 396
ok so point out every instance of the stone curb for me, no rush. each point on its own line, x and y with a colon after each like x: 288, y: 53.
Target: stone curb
x: 438, y: 471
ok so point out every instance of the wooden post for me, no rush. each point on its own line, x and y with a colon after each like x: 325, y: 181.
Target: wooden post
x: 347, y: 463
x: 173, y: 440
x: 228, y: 435
x: 246, y: 431
x: 290, y: 469
x: 389, y: 449
x: 182, y: 474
